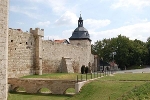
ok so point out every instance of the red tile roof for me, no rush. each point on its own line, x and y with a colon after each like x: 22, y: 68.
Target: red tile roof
x: 59, y: 41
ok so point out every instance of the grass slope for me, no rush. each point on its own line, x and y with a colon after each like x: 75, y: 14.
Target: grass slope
x: 105, y: 90
x: 119, y: 86
x: 138, y: 93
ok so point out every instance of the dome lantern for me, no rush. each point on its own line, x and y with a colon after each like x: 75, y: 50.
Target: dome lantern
x: 80, y: 33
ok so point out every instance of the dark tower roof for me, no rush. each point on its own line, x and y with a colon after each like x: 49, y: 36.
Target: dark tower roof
x: 80, y: 33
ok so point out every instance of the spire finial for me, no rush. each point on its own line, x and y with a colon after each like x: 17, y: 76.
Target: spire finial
x: 80, y: 13
x: 80, y: 21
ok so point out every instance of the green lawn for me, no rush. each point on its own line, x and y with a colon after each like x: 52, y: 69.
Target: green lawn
x: 65, y: 76
x: 105, y: 90
x: 120, y: 86
x: 25, y: 96
x: 129, y: 76
x: 138, y: 93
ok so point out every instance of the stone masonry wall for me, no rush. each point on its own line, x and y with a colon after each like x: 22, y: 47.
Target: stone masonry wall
x: 53, y: 53
x: 29, y: 54
x: 87, y: 47
x: 35, y: 85
x: 21, y: 53
x: 3, y: 48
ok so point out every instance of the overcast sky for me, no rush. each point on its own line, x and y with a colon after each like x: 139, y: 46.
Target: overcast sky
x: 102, y: 18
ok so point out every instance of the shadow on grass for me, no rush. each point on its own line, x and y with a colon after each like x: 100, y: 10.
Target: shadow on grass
x: 42, y: 94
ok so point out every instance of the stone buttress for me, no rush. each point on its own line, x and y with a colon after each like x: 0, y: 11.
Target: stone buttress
x: 38, y: 34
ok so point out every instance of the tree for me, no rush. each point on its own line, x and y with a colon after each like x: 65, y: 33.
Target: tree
x: 128, y: 52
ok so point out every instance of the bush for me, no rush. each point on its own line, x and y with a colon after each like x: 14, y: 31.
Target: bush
x: 86, y: 69
x: 82, y: 69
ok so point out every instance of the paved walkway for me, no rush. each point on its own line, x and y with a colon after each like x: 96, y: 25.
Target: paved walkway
x: 144, y: 70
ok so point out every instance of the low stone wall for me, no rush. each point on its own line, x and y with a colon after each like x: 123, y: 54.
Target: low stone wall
x: 35, y: 85
x: 79, y: 85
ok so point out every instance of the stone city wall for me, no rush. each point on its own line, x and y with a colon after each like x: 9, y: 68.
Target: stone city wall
x: 29, y: 54
x: 3, y: 48
x: 21, y: 53
x: 53, y: 53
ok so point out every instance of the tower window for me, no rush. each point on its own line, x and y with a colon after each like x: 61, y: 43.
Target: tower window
x: 11, y: 40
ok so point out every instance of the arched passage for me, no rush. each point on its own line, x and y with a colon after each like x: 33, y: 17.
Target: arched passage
x: 19, y: 89
x: 44, y: 90
x: 70, y: 91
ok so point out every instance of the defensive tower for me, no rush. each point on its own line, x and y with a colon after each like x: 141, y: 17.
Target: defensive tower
x: 81, y: 37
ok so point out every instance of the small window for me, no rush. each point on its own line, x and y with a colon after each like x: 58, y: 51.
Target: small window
x: 31, y: 43
x: 78, y: 44
x: 15, y: 48
x: 20, y: 43
x: 11, y: 40
x: 26, y: 43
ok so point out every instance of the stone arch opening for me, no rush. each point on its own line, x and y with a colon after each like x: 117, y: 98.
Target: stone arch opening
x: 19, y: 89
x: 44, y: 90
x: 69, y: 91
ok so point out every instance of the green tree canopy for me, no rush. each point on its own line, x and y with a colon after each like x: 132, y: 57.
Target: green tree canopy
x: 128, y: 52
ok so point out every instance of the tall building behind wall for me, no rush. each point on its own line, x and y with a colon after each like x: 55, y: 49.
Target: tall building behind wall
x: 3, y: 48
